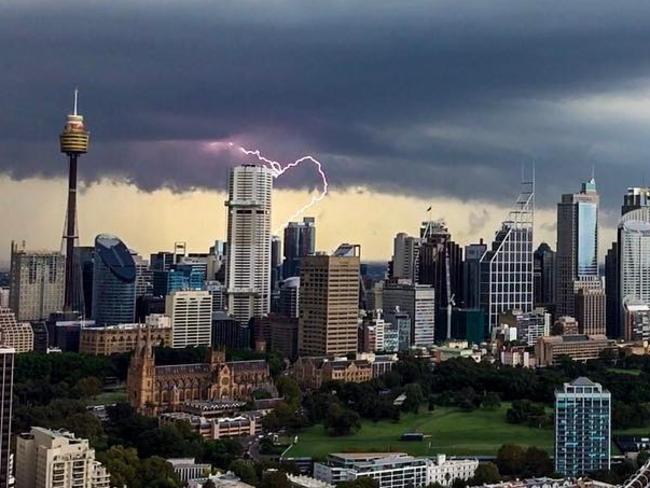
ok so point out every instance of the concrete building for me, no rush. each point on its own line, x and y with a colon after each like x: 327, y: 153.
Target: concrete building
x: 121, y: 338
x: 36, y: 283
x: 329, y: 302
x: 577, y: 243
x: 188, y: 469
x: 19, y: 336
x: 549, y: 350
x: 7, y: 355
x: 190, y: 313
x: 582, y: 428
x: 248, y: 273
x: 394, y: 470
x: 244, y: 424
x: 419, y: 302
x: 57, y: 459
x: 397, y: 331
x: 530, y: 326
x: 405, y: 257
x: 507, y: 267
x: 114, y: 278
x: 636, y: 321
x: 589, y: 306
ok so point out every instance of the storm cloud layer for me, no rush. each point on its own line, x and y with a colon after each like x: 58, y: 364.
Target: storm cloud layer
x: 428, y: 98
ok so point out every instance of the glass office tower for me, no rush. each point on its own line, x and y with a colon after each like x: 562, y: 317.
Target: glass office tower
x: 114, y: 279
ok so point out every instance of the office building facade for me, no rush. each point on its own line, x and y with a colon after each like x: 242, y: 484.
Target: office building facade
x: 248, y: 275
x: 419, y: 301
x: 299, y: 241
x: 37, y: 283
x: 6, y: 412
x: 114, y: 281
x: 329, y: 302
x: 19, y: 336
x: 544, y: 276
x: 582, y: 428
x: 190, y: 313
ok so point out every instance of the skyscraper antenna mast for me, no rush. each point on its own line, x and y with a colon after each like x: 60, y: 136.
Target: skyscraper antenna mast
x: 76, y: 99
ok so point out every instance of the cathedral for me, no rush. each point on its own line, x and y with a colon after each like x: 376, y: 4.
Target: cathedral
x: 154, y: 389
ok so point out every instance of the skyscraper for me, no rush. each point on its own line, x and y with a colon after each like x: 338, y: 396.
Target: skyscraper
x: 419, y: 301
x: 405, y: 257
x: 299, y: 241
x: 114, y: 278
x: 74, y: 142
x: 191, y: 318
x: 589, y: 297
x: 634, y: 257
x: 248, y: 276
x: 329, y: 302
x: 507, y: 267
x: 582, y: 428
x: 577, y: 244
x: 6, y: 411
x: 37, y: 283
x: 544, y: 276
x: 472, y: 274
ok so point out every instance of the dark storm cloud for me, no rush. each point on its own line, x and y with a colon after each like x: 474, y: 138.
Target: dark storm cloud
x: 427, y: 98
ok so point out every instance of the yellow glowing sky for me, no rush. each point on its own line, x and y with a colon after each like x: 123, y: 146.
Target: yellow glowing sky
x: 33, y: 210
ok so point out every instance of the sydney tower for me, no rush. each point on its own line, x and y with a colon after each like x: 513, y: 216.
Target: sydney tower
x: 74, y: 142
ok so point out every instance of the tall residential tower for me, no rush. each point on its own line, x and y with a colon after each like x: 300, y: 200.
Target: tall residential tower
x: 248, y: 275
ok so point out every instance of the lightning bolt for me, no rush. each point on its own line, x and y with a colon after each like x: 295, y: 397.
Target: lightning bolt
x: 278, y: 169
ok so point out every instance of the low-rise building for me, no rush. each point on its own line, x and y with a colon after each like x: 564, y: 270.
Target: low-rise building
x: 188, y: 469
x: 394, y: 470
x: 545, y: 482
x: 245, y: 424
x: 57, y: 459
x: 550, y: 349
x: 530, y: 326
x: 121, y: 338
x: 302, y: 481
x: 518, y: 356
x: 312, y: 372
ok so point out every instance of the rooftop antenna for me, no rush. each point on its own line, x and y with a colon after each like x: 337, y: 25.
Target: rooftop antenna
x: 593, y: 171
x: 76, y: 99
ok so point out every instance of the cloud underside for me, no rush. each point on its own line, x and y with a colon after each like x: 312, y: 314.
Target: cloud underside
x: 421, y: 98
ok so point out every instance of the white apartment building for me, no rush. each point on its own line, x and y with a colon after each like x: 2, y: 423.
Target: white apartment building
x: 248, y: 272
x: 394, y: 470
x: 190, y: 313
x: 57, y: 459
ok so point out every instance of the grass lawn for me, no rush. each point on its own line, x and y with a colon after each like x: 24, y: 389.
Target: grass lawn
x: 633, y: 372
x: 451, y: 431
x: 107, y: 398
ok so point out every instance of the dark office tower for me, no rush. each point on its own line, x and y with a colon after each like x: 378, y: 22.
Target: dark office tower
x: 113, y: 282
x: 613, y: 300
x: 636, y: 197
x: 472, y: 274
x: 289, y: 305
x: 435, y: 252
x: 84, y: 256
x: 299, y: 241
x: 161, y: 261
x: 577, y: 244
x: 6, y: 394
x: 276, y: 271
x: 73, y: 142
x: 544, y: 276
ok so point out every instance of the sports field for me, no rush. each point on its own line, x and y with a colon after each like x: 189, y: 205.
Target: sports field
x: 451, y: 432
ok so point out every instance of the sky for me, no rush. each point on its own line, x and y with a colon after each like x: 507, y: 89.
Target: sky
x: 407, y: 104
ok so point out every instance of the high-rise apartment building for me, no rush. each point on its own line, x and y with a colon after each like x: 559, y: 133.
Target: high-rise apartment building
x: 582, y: 428
x: 299, y: 241
x: 37, y: 283
x: 57, y: 459
x: 544, y: 276
x: 248, y: 276
x: 507, y: 267
x: 114, y: 280
x: 19, y: 336
x: 634, y: 257
x: 191, y: 318
x: 329, y: 302
x: 6, y: 405
x: 577, y: 244
x: 419, y: 301
x: 404, y: 264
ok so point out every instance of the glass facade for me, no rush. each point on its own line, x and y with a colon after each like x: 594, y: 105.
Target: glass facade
x: 114, y: 278
x: 587, y: 241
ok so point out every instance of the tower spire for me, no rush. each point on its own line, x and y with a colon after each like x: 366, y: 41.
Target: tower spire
x: 76, y: 99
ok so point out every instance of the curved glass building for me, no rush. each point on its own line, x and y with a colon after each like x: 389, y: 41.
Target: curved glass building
x: 114, y: 280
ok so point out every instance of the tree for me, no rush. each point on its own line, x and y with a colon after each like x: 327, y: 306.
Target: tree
x: 341, y: 421
x: 275, y: 479
x: 221, y: 453
x: 245, y: 470
x: 510, y: 459
x: 642, y: 457
x: 158, y: 473
x: 537, y: 463
x: 89, y: 387
x: 491, y: 400
x: 123, y: 465
x: 486, y: 473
